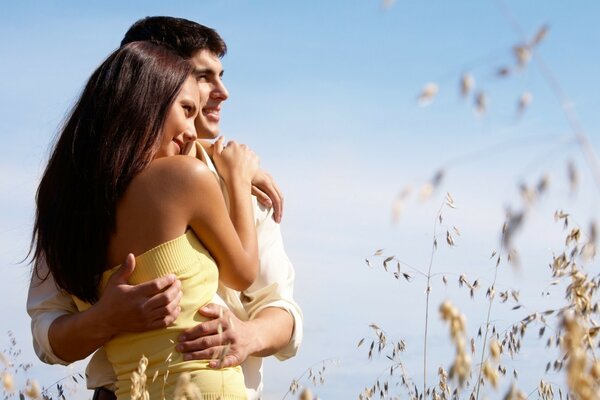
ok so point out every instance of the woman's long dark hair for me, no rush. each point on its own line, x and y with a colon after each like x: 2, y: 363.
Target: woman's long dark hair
x: 109, y: 137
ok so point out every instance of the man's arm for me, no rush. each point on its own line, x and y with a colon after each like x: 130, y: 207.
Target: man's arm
x: 265, y: 335
x: 275, y: 320
x: 62, y: 334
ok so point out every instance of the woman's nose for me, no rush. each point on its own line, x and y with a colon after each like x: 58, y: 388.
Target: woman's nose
x: 189, y: 135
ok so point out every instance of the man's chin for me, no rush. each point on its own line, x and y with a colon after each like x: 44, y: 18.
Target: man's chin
x: 208, y: 135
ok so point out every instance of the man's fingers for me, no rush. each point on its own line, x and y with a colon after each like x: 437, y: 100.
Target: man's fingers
x: 165, y: 321
x: 125, y: 270
x: 219, y: 356
x: 230, y: 360
x: 212, y: 310
x: 170, y: 296
x: 206, y: 354
x: 198, y: 331
x: 201, y: 343
x: 157, y: 285
x: 170, y: 310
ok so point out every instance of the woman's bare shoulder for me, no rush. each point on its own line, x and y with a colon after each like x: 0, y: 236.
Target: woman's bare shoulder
x: 173, y: 176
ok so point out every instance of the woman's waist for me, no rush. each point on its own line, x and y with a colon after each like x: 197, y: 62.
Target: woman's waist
x: 163, y: 339
x: 162, y: 378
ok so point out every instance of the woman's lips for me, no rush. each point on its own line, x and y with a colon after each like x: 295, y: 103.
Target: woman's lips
x: 179, y: 146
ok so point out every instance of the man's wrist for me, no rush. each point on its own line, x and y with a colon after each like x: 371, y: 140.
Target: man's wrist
x: 257, y: 344
x: 104, y: 329
x: 272, y: 330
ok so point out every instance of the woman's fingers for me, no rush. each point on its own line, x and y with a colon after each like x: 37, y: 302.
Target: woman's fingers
x: 218, y: 146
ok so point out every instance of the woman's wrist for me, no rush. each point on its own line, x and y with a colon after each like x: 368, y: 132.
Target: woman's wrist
x: 238, y: 184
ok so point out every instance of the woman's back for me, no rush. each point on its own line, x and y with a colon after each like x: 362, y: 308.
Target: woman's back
x: 151, y: 217
x: 155, y: 206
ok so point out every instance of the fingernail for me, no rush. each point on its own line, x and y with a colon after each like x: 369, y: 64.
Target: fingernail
x: 179, y: 348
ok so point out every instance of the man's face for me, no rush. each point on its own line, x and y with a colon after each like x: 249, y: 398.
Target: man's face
x: 209, y: 71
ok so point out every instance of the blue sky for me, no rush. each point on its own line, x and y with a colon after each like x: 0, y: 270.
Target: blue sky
x: 326, y: 92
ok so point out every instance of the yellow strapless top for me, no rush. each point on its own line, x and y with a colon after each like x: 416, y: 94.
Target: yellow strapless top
x: 187, y: 258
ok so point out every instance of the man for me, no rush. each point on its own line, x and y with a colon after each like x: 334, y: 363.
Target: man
x: 261, y: 321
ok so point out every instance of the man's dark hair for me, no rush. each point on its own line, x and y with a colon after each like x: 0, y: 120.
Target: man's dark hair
x: 110, y: 136
x: 184, y: 36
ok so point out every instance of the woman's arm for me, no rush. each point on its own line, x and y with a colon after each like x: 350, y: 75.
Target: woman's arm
x: 264, y: 187
x: 185, y: 188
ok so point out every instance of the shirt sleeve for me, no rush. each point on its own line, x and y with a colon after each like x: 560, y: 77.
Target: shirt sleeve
x: 274, y: 286
x: 45, y: 303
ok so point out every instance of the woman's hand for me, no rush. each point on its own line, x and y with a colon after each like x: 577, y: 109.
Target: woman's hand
x: 235, y: 161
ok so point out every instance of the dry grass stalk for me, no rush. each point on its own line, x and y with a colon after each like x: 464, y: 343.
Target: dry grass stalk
x: 515, y: 394
x: 316, y: 378
x: 185, y: 389
x: 8, y: 382
x: 467, y: 83
x: 481, y: 103
x: 582, y: 378
x: 461, y: 367
x: 306, y: 395
x: 524, y: 102
x: 32, y: 389
x: 138, y: 381
x: 429, y: 91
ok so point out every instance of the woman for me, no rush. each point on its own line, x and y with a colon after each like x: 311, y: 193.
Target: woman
x: 116, y: 182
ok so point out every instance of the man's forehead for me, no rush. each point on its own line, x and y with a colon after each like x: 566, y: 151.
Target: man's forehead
x: 206, y: 60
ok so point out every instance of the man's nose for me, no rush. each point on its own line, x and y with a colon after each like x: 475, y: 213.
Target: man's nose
x: 219, y: 92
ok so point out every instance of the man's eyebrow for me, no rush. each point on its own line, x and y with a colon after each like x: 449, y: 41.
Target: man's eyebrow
x: 203, y: 71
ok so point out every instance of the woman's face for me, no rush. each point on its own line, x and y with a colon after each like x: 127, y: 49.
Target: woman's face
x: 178, y: 131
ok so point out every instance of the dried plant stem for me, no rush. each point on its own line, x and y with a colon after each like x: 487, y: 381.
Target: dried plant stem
x: 50, y: 386
x: 487, y: 330
x: 322, y: 362
x: 566, y: 104
x: 591, y: 345
x: 427, y: 292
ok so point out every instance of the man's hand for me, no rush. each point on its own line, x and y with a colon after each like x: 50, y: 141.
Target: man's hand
x: 267, y: 193
x: 224, y: 333
x: 121, y: 308
x: 149, y: 305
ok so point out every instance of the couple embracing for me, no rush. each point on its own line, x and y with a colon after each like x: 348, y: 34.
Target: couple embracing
x: 210, y: 289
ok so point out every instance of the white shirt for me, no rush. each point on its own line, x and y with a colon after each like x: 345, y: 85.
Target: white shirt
x: 273, y: 287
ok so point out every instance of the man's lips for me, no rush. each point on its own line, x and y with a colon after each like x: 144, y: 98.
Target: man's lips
x: 212, y: 113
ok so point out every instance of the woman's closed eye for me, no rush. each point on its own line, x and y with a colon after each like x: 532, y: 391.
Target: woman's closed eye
x: 190, y: 109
